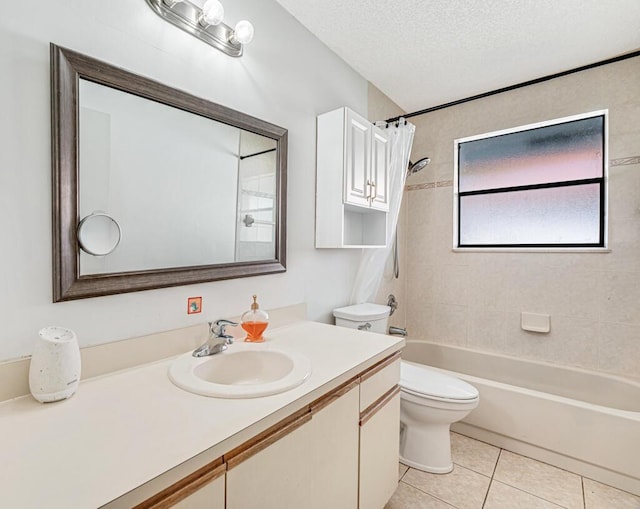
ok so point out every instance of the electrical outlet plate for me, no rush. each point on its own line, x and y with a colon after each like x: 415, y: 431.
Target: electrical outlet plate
x: 194, y: 305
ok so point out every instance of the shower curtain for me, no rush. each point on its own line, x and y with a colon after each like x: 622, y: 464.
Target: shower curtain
x: 373, y: 261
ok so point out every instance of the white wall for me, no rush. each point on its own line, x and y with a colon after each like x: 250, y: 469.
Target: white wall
x: 286, y: 77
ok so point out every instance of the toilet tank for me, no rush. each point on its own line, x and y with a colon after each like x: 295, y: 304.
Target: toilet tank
x: 367, y: 316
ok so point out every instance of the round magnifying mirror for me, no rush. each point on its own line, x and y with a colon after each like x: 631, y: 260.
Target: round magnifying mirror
x: 99, y: 234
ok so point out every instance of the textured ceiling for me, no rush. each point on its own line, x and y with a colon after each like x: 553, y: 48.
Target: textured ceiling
x: 424, y: 53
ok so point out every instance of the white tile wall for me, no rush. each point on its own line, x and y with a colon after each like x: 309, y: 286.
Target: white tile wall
x: 474, y: 299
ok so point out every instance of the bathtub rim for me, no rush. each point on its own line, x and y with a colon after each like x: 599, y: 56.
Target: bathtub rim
x: 630, y: 381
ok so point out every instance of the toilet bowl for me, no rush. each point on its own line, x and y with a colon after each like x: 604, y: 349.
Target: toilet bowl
x: 430, y: 401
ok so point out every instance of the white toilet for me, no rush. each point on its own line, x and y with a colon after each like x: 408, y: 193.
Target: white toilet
x: 430, y: 401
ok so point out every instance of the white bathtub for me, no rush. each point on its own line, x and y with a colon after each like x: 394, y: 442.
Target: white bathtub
x: 583, y: 421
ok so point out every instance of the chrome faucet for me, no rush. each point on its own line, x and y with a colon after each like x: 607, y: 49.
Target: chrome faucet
x: 397, y: 331
x: 218, y: 339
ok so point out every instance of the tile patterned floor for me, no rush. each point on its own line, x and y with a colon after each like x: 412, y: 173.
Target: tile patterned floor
x: 487, y: 477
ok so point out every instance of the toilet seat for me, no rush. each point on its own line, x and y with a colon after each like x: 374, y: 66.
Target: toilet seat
x: 422, y: 381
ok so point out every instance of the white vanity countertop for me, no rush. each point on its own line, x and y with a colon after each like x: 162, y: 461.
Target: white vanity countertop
x: 124, y: 429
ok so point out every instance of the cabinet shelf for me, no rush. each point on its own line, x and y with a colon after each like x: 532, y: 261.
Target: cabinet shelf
x: 363, y: 227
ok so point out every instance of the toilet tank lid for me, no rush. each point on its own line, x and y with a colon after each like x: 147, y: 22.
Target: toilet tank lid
x: 359, y: 312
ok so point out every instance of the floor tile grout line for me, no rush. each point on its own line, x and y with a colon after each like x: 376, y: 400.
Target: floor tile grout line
x: 584, y: 497
x: 433, y: 495
x: 515, y: 487
x: 533, y: 495
x: 430, y: 494
x: 495, y: 467
x: 547, y: 464
x: 608, y: 485
x: 484, y: 474
x: 486, y: 495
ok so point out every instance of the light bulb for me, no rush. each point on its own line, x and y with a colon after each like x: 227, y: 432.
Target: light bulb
x: 212, y: 13
x: 243, y: 32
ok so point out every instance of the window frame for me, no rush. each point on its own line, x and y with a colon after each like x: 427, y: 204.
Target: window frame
x: 600, y: 246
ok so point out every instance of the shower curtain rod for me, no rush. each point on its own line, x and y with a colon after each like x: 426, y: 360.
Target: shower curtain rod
x: 516, y: 86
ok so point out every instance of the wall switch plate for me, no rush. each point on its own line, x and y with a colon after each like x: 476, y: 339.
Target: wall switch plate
x: 536, y: 322
x: 194, y: 305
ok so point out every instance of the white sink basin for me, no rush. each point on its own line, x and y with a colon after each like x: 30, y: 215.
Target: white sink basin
x: 241, y: 371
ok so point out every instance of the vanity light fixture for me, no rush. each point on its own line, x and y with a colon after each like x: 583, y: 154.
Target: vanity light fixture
x: 205, y: 23
x: 243, y: 32
x: 212, y: 13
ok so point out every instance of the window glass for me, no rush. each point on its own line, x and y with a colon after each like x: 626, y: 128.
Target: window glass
x: 549, y: 216
x: 556, y: 153
x: 537, y: 186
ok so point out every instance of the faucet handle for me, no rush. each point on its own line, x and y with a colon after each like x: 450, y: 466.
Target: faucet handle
x: 217, y: 329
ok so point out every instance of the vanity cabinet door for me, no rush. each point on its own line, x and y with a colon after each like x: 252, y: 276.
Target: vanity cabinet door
x: 379, y: 432
x: 310, y: 462
x: 335, y: 450
x: 274, y: 471
x: 379, y: 444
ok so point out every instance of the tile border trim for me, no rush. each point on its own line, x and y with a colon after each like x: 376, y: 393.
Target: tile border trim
x: 429, y: 185
x: 621, y: 161
x: 624, y: 161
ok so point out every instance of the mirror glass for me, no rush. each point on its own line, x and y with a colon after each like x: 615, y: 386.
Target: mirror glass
x: 182, y: 186
x: 198, y: 190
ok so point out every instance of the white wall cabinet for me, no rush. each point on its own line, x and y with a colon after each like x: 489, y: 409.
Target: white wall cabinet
x: 352, y: 181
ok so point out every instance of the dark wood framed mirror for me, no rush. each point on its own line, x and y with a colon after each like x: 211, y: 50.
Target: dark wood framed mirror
x: 195, y: 191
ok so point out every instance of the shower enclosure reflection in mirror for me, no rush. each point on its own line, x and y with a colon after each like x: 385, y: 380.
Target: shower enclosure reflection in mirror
x: 178, y: 173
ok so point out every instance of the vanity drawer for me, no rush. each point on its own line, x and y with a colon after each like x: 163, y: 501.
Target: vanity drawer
x: 378, y: 380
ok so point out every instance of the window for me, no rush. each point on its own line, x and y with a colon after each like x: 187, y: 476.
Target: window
x: 536, y: 186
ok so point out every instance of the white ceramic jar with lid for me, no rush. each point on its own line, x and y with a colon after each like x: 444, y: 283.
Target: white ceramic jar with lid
x: 54, y: 372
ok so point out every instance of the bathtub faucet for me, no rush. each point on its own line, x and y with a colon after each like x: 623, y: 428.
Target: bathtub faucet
x: 397, y: 331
